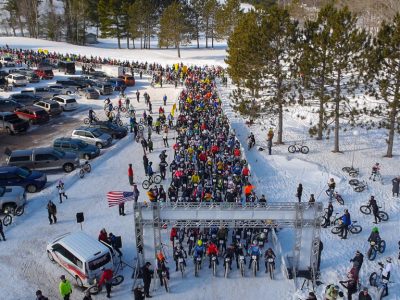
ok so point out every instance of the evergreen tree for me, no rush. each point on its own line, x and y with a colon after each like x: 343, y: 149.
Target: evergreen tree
x: 174, y: 28
x: 209, y: 14
x: 384, y: 67
x: 14, y: 19
x: 110, y: 16
x: 226, y: 18
x: 196, y: 10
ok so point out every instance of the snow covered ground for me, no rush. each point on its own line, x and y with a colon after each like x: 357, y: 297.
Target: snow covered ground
x: 23, y: 261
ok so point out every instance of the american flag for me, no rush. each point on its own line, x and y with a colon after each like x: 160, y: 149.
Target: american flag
x: 115, y: 198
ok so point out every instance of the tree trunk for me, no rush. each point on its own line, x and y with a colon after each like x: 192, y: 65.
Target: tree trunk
x: 127, y: 41
x: 321, y: 103
x: 119, y: 41
x: 392, y: 118
x: 179, y: 50
x: 280, y: 124
x: 206, y: 32
x: 21, y: 26
x: 197, y: 34
x: 337, y: 112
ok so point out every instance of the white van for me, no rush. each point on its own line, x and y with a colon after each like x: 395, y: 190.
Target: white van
x: 80, y: 255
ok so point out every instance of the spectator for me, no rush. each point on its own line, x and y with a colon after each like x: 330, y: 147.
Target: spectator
x: 103, y: 235
x: 106, y: 278
x: 112, y: 240
x: 139, y: 292
x: 136, y: 193
x: 269, y: 145
x: 121, y: 208
x: 39, y: 295
x: 299, y: 192
x: 130, y: 174
x: 65, y: 288
x: 363, y: 295
x: 144, y: 145
x: 396, y: 186
x: 61, y: 190
x: 147, y: 275
x: 150, y: 145
x: 52, y: 212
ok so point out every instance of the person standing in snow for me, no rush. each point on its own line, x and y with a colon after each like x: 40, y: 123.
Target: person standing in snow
x: 52, y: 212
x: 299, y: 192
x: 145, y: 163
x: 39, y: 295
x: 136, y: 193
x: 269, y: 146
x: 137, y: 95
x: 396, y: 186
x: 61, y: 190
x: 1, y: 230
x: 65, y: 288
x: 130, y: 174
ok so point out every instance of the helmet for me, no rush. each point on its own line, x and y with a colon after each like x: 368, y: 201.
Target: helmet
x: 199, y: 242
x: 375, y: 229
x: 389, y: 259
x: 254, y: 242
x: 336, y: 287
x: 269, y: 249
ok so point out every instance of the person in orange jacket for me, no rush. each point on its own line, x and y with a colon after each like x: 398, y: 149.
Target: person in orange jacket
x: 106, y: 278
x: 212, y: 250
x: 247, y: 190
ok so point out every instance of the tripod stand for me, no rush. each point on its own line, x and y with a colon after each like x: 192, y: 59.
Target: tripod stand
x: 121, y: 265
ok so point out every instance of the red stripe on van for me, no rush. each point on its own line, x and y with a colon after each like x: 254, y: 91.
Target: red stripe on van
x: 70, y: 267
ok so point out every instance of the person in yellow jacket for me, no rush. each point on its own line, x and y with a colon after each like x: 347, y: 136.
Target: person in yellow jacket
x: 65, y: 288
x: 195, y: 178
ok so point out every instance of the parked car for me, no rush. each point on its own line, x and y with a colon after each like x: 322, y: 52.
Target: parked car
x: 128, y: 79
x: 79, y: 147
x: 116, y: 132
x: 103, y: 88
x: 71, y: 83
x: 42, y: 92
x: 44, y: 72
x: 7, y: 61
x: 116, y: 83
x: 11, y: 124
x: 31, y: 76
x: 7, y: 105
x: 25, y: 98
x: 17, y: 79
x: 68, y: 67
x: 11, y: 197
x: 61, y: 90
x: 89, y: 93
x: 66, y: 102
x: 98, y: 74
x: 43, y: 159
x: 33, y: 114
x: 31, y: 181
x: 83, y: 80
x: 52, y: 107
x: 92, y: 136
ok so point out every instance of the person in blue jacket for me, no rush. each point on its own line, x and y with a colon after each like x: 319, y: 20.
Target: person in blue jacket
x: 198, y: 250
x: 346, y: 222
x: 254, y: 250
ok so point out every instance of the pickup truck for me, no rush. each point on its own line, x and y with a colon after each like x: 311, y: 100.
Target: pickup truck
x: 11, y: 124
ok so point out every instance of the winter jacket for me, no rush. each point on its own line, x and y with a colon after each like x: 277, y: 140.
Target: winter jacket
x: 103, y: 236
x: 52, y: 208
x: 358, y: 261
x: 331, y: 294
x: 395, y: 185
x: 65, y: 288
x: 147, y: 274
x: 346, y: 219
x: 374, y: 237
x: 361, y: 296
x: 106, y: 277
x: 212, y: 249
x: 198, y: 251
x: 254, y: 250
x: 130, y: 172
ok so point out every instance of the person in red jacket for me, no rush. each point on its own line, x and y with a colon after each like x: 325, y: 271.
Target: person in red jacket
x: 103, y: 235
x: 172, y: 236
x: 212, y: 250
x: 236, y: 152
x: 106, y: 278
x: 130, y: 174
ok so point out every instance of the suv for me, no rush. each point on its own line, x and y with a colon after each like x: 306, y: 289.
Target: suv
x: 11, y: 197
x: 7, y: 61
x: 33, y: 114
x: 66, y: 102
x: 43, y: 159
x: 117, y: 83
x: 104, y: 88
x: 61, y: 90
x: 92, y: 136
x: 25, y: 98
x: 115, y: 131
x: 71, y: 83
x: 128, y: 79
x: 7, y: 105
x: 89, y: 93
x: 53, y: 108
x: 10, y: 123
x: 68, y: 67
x: 30, y: 75
x: 81, y: 148
x: 17, y: 79
x: 31, y: 181
x: 41, y: 91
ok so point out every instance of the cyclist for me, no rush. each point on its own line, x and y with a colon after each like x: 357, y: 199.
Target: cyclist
x: 357, y: 261
x: 331, y: 188
x: 329, y: 214
x: 212, y: 250
x: 375, y: 209
x: 374, y: 236
x: 179, y: 252
x: 106, y: 278
x: 239, y: 251
x: 386, y: 273
x: 161, y: 267
x: 230, y: 253
x: 350, y: 285
x: 255, y: 250
x: 332, y: 292
x: 92, y: 115
x: 150, y: 171
x: 267, y: 255
x: 346, y: 222
x: 375, y: 171
x: 198, y: 250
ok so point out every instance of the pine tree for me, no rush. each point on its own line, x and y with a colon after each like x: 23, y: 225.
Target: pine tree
x: 226, y: 18
x: 384, y: 67
x: 209, y: 14
x: 110, y: 16
x: 174, y: 28
x: 196, y: 8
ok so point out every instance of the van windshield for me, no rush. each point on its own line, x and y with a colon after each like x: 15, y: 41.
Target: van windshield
x: 99, y: 262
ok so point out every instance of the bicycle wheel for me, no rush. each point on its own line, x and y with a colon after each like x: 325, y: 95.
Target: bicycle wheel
x: 271, y: 271
x: 242, y: 269
x: 359, y: 189
x: 81, y: 173
x: 371, y: 254
x: 384, y: 216
x: 323, y: 221
x: 372, y: 279
x: 182, y: 267
x: 365, y: 209
x: 123, y: 109
x: 117, y: 280
x: 94, y: 290
x: 86, y: 121
x: 214, y: 266
x: 304, y: 149
x: 340, y: 200
x: 196, y: 270
x: 146, y: 184
x: 120, y: 123
x: 356, y: 229
x: 166, y: 284
x: 354, y: 181
x: 157, y: 179
x: 336, y: 230
x: 254, y: 268
x: 88, y: 168
x: 19, y: 210
x: 226, y: 270
x: 346, y: 169
x: 7, y: 220
x: 327, y: 192
x: 292, y: 149
x: 353, y: 174
x: 140, y: 127
x: 382, y: 246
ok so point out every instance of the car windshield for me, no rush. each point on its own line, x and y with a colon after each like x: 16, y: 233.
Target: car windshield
x: 23, y: 172
x: 19, y: 77
x: 99, y: 262
x: 58, y: 153
x: 54, y: 105
x: 70, y: 101
x: 41, y: 113
x: 97, y: 133
x: 82, y: 144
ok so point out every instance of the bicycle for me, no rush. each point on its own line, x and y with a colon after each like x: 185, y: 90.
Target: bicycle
x: 298, y: 148
x: 254, y: 265
x: 332, y: 220
x: 197, y: 266
x: 358, y: 186
x: 85, y: 168
x: 214, y: 264
x: 376, y: 280
x: 270, y: 267
x: 10, y: 211
x: 366, y: 210
x: 375, y: 248
x: 227, y: 268
x: 241, y: 265
x: 151, y: 179
x: 355, y: 229
x: 336, y: 196
x: 353, y: 172
x: 87, y: 120
x: 95, y: 289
